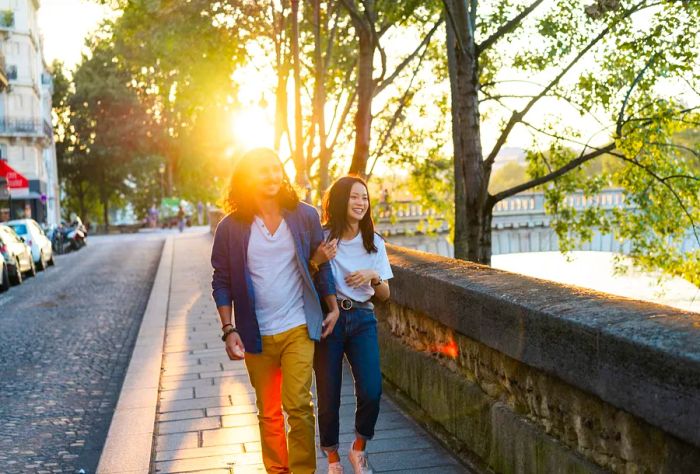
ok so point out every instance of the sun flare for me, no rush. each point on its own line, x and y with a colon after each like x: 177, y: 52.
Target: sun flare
x: 252, y: 127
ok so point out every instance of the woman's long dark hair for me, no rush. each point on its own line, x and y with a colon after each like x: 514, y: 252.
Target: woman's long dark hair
x: 240, y: 198
x: 335, y: 211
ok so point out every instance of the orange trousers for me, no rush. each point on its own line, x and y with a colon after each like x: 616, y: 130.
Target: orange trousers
x: 281, y: 376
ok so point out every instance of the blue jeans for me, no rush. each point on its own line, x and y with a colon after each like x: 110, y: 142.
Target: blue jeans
x: 355, y: 336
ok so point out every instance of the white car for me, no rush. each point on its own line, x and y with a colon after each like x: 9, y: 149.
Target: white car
x: 35, y: 238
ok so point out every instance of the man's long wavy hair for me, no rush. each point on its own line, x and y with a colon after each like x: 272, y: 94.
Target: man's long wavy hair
x: 335, y: 211
x: 240, y: 198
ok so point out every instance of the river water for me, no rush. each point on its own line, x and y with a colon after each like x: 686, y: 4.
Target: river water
x: 596, y: 271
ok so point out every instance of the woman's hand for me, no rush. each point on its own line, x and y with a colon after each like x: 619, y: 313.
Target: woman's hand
x: 234, y: 347
x: 361, y: 277
x: 325, y: 252
x: 329, y: 322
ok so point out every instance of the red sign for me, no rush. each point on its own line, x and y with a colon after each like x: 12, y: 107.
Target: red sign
x: 14, y: 179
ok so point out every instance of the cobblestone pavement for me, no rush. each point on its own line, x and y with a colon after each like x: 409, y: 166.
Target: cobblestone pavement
x: 65, y: 341
x: 206, y: 417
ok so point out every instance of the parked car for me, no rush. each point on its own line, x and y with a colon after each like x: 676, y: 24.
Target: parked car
x: 4, y: 275
x: 34, y: 236
x: 17, y: 254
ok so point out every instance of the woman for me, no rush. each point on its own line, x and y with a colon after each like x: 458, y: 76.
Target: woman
x: 361, y: 269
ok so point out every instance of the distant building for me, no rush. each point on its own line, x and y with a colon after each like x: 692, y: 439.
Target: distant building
x: 26, y: 134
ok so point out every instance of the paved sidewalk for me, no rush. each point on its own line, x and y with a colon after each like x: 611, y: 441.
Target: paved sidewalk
x: 206, y: 420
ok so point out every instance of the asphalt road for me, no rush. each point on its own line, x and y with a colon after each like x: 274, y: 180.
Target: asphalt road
x: 66, y: 337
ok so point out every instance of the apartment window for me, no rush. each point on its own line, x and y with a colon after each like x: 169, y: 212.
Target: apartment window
x: 11, y: 72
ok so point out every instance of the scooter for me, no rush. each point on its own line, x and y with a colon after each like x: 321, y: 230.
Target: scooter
x: 76, y: 234
x: 56, y: 235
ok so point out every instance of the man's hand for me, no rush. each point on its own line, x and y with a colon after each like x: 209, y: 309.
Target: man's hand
x: 325, y: 252
x: 360, y: 277
x: 329, y: 322
x: 234, y: 347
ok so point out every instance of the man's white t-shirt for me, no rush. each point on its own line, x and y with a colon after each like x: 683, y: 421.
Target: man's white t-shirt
x: 353, y: 256
x: 277, y: 283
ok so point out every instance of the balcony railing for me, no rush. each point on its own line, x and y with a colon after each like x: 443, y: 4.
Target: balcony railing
x: 25, y: 127
x: 48, y: 129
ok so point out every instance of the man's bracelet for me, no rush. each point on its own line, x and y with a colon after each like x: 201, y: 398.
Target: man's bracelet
x: 228, y: 332
x: 227, y: 324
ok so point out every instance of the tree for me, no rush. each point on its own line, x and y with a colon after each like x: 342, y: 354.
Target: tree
x: 598, y: 61
x: 109, y: 130
x: 180, y: 57
x: 371, y: 22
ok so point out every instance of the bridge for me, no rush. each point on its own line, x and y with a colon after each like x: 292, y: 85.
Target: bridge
x: 520, y: 224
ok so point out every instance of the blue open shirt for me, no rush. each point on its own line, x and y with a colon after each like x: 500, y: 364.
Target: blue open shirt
x: 232, y: 285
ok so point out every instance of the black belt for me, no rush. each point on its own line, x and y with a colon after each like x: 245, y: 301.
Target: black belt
x: 347, y: 304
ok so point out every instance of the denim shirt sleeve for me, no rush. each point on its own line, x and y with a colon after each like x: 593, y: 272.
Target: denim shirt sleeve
x: 221, y: 279
x: 325, y: 283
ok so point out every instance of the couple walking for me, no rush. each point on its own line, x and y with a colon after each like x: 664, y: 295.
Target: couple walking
x: 299, y: 295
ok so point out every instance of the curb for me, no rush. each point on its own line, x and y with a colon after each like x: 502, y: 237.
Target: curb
x: 130, y: 439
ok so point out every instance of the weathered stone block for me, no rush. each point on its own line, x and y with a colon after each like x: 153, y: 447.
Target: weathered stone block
x: 532, y: 376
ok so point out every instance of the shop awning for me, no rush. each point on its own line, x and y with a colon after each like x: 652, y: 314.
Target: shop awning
x: 23, y: 193
x: 15, y: 181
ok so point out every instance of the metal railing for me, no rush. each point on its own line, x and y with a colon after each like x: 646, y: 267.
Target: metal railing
x: 48, y: 129
x: 22, y: 126
x: 526, y: 203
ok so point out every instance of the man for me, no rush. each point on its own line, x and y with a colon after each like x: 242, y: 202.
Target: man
x: 261, y: 258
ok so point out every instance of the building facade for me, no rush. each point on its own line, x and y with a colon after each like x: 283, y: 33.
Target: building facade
x: 26, y: 134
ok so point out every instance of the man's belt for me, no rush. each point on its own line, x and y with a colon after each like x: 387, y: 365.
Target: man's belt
x: 347, y: 304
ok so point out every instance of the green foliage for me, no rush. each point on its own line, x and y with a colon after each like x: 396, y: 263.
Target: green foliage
x: 618, y: 63
x: 632, y: 67
x: 422, y: 151
x: 106, y: 133
x: 511, y: 174
x: 7, y: 18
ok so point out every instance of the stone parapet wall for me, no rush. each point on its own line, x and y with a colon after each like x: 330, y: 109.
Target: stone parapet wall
x: 532, y: 376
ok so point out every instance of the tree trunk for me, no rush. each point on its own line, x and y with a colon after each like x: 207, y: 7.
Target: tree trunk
x: 365, y: 94
x: 169, y: 181
x: 81, y: 201
x: 281, y: 117
x: 299, y: 159
x: 280, y: 107
x: 319, y: 113
x: 472, y: 239
x: 105, y: 213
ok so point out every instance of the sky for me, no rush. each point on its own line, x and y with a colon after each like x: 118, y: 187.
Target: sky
x: 65, y: 24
